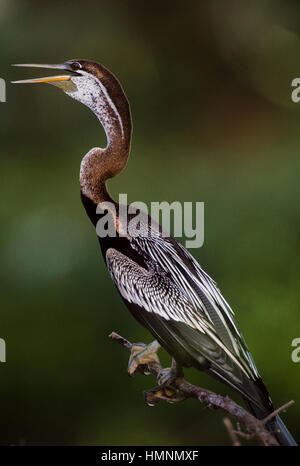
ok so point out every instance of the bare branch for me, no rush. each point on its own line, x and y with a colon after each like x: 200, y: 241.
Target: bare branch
x: 254, y: 427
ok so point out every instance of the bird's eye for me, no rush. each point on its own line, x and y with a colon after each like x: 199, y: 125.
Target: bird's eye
x: 76, y: 65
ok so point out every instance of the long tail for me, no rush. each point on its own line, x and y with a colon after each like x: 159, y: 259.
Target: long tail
x: 275, y: 425
x: 282, y: 434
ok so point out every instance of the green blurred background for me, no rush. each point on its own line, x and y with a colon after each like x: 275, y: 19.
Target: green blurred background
x: 209, y: 84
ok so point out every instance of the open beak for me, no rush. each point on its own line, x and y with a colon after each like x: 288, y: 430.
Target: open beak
x: 56, y: 80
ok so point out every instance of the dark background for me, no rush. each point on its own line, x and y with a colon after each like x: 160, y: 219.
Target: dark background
x: 209, y: 84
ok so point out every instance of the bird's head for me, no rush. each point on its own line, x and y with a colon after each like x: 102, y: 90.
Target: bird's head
x: 91, y: 84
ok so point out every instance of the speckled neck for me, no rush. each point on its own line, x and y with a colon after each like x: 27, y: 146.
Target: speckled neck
x: 111, y: 107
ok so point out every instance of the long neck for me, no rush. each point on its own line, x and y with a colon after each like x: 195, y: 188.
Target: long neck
x: 98, y: 164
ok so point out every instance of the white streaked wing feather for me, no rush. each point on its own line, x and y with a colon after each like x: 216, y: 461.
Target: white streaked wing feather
x: 157, y: 294
x: 195, y: 286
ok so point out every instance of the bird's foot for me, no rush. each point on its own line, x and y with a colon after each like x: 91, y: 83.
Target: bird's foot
x: 154, y: 395
x: 167, y: 376
x: 141, y: 355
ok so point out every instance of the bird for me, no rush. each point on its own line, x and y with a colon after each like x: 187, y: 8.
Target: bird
x: 160, y: 282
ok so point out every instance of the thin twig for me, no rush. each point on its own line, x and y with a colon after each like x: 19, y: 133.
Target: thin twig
x: 232, y: 433
x: 277, y: 411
